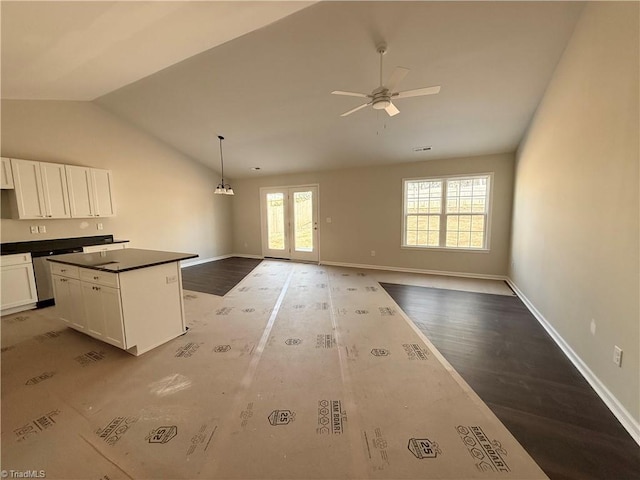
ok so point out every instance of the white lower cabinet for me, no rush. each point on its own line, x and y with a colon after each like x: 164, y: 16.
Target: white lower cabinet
x: 18, y: 284
x: 134, y: 310
x: 89, y: 300
x: 66, y: 290
x: 103, y: 311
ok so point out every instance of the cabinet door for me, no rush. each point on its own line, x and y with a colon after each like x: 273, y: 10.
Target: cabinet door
x: 80, y: 191
x: 103, y: 313
x: 18, y: 285
x: 6, y: 174
x: 92, y: 310
x: 69, y: 305
x: 63, y: 298
x: 102, y: 193
x: 27, y: 181
x: 113, y: 324
x: 56, y: 196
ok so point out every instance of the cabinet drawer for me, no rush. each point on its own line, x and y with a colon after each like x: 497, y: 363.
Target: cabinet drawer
x: 101, y: 278
x: 16, y: 259
x: 64, y: 270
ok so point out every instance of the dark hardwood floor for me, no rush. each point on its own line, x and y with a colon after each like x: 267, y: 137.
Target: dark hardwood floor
x: 218, y: 277
x: 510, y: 361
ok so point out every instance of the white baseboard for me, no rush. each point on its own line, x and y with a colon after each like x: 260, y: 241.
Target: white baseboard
x: 200, y: 261
x: 246, y: 255
x: 415, y: 270
x: 622, y: 414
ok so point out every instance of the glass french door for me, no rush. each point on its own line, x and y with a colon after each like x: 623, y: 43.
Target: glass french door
x: 290, y: 222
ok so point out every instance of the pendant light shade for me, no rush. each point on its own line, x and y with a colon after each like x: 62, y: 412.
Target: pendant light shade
x: 223, y: 188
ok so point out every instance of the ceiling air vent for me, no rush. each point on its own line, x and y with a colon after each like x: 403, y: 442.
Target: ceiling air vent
x: 422, y: 149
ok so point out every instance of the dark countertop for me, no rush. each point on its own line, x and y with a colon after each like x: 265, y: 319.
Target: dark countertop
x: 40, y: 248
x: 120, y: 260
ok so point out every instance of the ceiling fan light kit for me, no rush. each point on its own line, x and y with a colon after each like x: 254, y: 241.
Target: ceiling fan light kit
x: 380, y: 98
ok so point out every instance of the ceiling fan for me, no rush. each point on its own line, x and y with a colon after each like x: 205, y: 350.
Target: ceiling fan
x: 380, y: 98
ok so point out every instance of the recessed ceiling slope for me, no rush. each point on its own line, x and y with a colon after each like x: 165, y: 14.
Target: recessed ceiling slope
x: 82, y: 50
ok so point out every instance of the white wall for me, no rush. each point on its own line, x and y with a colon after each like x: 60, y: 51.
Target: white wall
x: 365, y: 206
x: 575, y: 243
x: 164, y: 200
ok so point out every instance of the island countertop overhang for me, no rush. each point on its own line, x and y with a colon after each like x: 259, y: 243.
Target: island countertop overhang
x: 117, y: 261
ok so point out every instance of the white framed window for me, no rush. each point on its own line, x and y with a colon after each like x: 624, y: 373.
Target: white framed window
x: 447, y: 212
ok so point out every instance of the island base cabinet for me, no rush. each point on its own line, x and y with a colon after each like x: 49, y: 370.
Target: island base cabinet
x: 152, y: 306
x: 103, y: 313
x: 67, y: 291
x: 136, y: 310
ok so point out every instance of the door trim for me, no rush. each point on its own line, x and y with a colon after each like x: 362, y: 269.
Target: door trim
x: 288, y: 256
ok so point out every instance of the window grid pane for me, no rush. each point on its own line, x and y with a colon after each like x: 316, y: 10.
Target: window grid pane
x: 467, y: 195
x: 303, y: 221
x: 275, y: 221
x: 461, y: 209
x: 424, y: 197
x: 465, y: 231
x: 423, y: 230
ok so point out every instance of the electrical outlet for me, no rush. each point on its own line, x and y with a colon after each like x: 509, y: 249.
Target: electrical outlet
x: 33, y: 229
x: 373, y: 253
x: 617, y: 355
x: 172, y: 279
x: 329, y: 220
x: 42, y: 229
x: 99, y: 226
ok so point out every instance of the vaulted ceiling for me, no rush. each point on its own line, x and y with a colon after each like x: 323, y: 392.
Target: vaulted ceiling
x: 261, y: 73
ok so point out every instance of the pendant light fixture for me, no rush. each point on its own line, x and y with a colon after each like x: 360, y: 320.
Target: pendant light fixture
x: 223, y: 188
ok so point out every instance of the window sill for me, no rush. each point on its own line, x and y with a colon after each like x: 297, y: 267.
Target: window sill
x: 449, y: 249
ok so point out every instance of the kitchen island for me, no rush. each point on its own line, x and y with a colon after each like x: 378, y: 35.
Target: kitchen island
x: 130, y: 298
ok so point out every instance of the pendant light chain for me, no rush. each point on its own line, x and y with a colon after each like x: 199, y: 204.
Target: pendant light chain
x: 221, y: 158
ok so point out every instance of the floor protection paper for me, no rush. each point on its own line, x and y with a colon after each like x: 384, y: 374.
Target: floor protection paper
x: 301, y: 371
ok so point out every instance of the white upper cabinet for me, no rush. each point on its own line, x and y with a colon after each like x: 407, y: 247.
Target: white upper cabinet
x: 90, y: 192
x: 56, y: 195
x: 80, y: 193
x: 40, y: 189
x: 102, y: 193
x: 7, y: 174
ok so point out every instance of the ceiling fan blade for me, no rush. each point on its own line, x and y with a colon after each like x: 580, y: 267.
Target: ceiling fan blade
x: 396, y: 77
x: 417, y: 92
x: 355, y: 109
x: 392, y: 110
x: 350, y: 94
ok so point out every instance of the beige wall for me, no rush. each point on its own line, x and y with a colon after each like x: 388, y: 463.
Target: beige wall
x: 575, y: 245
x: 365, y: 206
x: 164, y: 200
